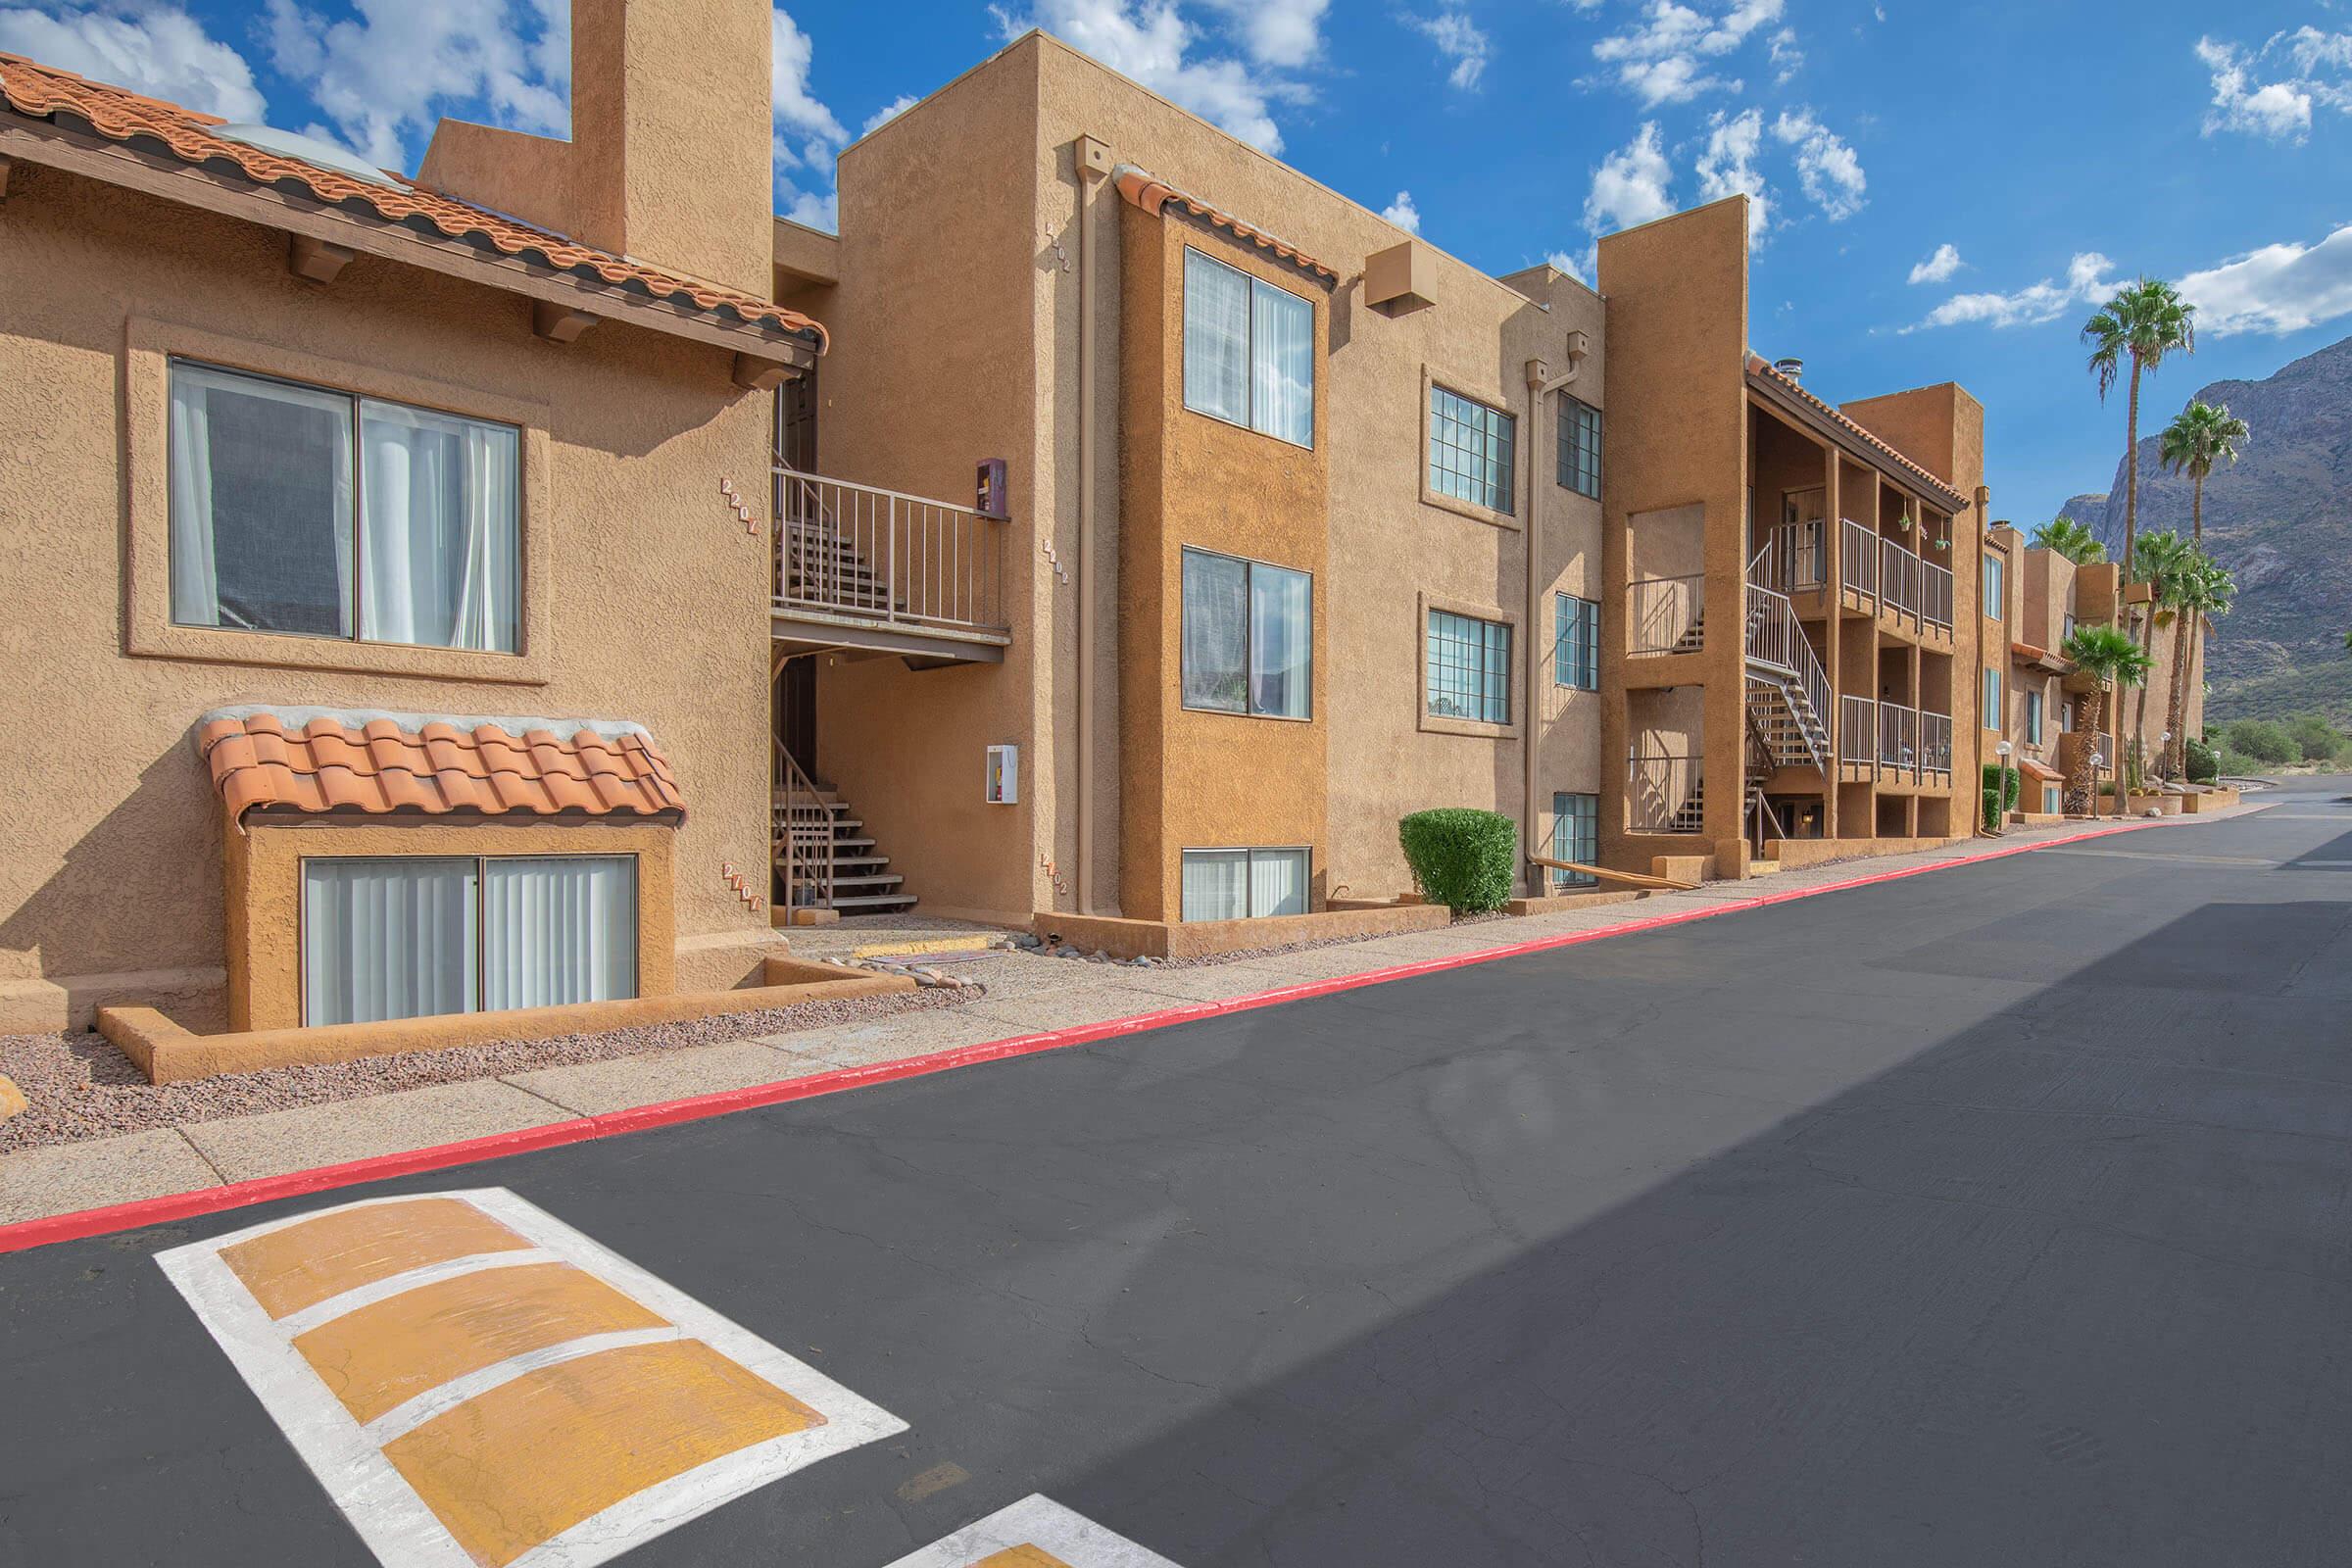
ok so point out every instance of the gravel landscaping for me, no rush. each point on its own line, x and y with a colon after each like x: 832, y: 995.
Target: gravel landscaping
x: 80, y: 1086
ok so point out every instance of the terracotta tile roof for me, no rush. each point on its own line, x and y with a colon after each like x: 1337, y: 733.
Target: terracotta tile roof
x: 1760, y: 370
x: 1155, y: 196
x: 43, y: 93
x: 305, y: 761
x: 2035, y: 767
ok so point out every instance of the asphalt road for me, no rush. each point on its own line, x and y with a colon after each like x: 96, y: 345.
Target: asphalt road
x: 1997, y: 1216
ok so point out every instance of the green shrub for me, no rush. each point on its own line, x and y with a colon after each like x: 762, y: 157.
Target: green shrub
x: 2316, y: 739
x: 2237, y: 765
x: 1462, y: 859
x: 2204, y: 763
x: 2002, y: 785
x: 2265, y: 740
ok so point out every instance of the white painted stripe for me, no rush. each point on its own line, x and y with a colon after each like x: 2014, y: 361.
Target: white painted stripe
x: 1041, y: 1522
x: 294, y: 1325
x: 411, y: 1414
x: 381, y: 1506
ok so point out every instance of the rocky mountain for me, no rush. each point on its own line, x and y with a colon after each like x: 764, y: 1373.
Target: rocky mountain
x: 2280, y: 519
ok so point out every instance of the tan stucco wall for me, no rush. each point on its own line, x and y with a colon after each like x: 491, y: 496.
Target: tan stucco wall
x: 1193, y: 779
x: 645, y: 599
x: 957, y: 325
x: 261, y: 871
x: 1678, y: 351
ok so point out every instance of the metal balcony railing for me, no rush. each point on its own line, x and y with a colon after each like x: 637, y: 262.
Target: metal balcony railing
x: 859, y: 550
x: 1935, y: 595
x: 1861, y: 551
x: 1857, y: 730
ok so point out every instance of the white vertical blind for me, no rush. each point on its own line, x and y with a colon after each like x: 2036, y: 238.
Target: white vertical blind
x: 1217, y: 884
x: 559, y: 930
x: 386, y: 939
x: 1284, y: 354
x: 1216, y: 338
x: 1277, y: 882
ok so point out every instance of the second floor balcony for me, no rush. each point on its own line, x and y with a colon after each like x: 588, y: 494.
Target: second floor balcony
x: 858, y: 566
x: 1896, y: 741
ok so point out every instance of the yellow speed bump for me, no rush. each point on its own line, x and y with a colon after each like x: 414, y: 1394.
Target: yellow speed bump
x: 477, y: 1384
x: 1034, y: 1532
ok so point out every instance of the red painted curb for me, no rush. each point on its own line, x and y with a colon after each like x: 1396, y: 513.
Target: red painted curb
x: 87, y: 1222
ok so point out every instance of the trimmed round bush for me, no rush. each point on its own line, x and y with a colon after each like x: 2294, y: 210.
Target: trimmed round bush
x: 1462, y: 859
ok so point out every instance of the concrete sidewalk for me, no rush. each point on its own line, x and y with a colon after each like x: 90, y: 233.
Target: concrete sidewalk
x: 1025, y: 995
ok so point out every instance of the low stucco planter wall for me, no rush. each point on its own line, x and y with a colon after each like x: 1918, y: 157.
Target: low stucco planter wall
x: 1200, y: 939
x: 1794, y: 853
x: 168, y: 1053
x: 2209, y: 801
x: 1564, y: 903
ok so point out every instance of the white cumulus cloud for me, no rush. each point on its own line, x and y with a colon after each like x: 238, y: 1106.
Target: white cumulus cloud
x: 2087, y: 279
x: 1286, y: 33
x: 1727, y: 167
x: 159, y: 50
x: 2270, y: 91
x: 1939, y: 266
x: 1663, y: 58
x: 1403, y: 213
x: 1827, y: 169
x: 1630, y: 185
x: 1458, y: 39
x: 1151, y: 41
x: 887, y: 113
x: 2279, y: 288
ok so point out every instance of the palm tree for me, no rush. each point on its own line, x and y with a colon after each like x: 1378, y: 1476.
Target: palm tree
x: 2070, y: 539
x: 2144, y: 322
x: 2163, y: 560
x: 2204, y: 591
x: 2110, y: 658
x: 2200, y: 436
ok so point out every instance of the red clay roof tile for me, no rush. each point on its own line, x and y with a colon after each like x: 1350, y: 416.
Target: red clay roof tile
x: 1760, y: 369
x: 1153, y: 195
x: 412, y: 763
x: 44, y: 92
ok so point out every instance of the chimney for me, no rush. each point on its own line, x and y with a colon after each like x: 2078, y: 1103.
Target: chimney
x: 1792, y: 368
x: 671, y: 135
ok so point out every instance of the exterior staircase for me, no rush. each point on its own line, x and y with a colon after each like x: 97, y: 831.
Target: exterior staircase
x: 1692, y: 815
x: 1781, y: 717
x: 833, y: 863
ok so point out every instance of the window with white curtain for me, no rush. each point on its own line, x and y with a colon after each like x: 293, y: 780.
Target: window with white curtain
x: 1243, y: 884
x: 312, y: 512
x: 1249, y: 351
x: 1247, y: 638
x: 403, y: 937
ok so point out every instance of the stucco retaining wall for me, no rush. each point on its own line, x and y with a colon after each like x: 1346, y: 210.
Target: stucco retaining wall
x: 1199, y: 939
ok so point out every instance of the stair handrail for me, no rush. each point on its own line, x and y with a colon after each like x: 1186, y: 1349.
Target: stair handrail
x: 799, y: 792
x: 1777, y: 638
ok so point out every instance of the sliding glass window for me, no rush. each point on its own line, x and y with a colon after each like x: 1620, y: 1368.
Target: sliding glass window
x: 1247, y: 637
x: 1249, y: 351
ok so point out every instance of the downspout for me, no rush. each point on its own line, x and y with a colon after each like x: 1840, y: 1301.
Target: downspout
x: 1540, y: 384
x: 1090, y: 160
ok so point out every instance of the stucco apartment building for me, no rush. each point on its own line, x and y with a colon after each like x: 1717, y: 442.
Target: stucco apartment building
x: 492, y: 588
x: 380, y: 639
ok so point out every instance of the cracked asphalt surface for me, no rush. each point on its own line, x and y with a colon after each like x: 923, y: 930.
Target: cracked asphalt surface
x: 1994, y: 1216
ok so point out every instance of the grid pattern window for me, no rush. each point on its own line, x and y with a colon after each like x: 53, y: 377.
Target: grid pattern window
x: 1580, y: 446
x: 311, y: 513
x: 1996, y: 594
x: 1469, y: 668
x: 1576, y: 642
x: 1249, y: 643
x: 1249, y: 351
x: 407, y: 937
x: 1470, y: 451
x: 1243, y: 884
x: 2032, y: 719
x: 1575, y: 836
x: 1992, y: 697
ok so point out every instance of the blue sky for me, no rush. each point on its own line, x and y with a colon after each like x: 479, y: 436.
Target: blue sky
x: 1947, y: 191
